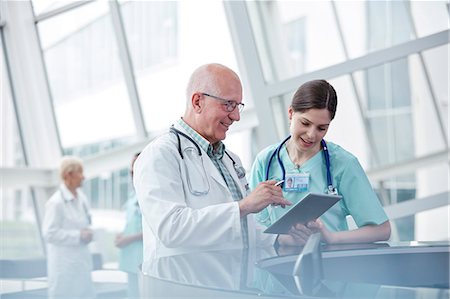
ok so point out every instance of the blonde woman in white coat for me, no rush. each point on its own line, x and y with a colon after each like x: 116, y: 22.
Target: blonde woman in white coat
x: 67, y: 233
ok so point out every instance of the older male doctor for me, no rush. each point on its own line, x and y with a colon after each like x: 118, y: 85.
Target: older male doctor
x: 192, y: 191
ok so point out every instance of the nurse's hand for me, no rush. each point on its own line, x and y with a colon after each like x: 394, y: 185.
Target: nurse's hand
x: 125, y: 240
x: 299, y: 233
x: 317, y: 225
x: 86, y: 235
x: 121, y: 241
x: 264, y: 195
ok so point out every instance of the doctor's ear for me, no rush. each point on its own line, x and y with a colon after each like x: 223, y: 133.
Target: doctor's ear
x: 196, y: 101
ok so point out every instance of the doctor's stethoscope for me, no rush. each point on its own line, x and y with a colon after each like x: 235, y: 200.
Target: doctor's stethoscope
x: 240, y: 171
x: 85, y: 209
x: 330, y: 188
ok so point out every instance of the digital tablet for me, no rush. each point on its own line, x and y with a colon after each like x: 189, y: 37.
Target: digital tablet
x: 309, y: 208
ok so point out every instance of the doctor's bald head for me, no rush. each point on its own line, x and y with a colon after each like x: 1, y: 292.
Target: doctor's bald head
x: 212, y: 78
x: 214, y: 101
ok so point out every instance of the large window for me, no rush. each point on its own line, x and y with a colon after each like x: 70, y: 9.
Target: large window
x: 296, y: 37
x: 85, y: 67
x: 85, y: 76
x: 110, y: 190
x: 18, y: 229
x: 390, y: 111
x: 167, y: 40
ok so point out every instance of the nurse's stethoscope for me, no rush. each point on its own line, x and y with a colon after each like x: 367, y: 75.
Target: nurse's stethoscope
x: 240, y: 171
x: 330, y: 188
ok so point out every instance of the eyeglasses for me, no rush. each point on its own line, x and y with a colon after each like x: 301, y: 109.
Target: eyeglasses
x: 229, y: 105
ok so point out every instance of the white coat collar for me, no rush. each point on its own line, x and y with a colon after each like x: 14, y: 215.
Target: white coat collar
x: 210, y: 168
x: 65, y: 193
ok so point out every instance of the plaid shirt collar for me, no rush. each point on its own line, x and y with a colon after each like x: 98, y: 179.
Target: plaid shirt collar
x: 203, y: 143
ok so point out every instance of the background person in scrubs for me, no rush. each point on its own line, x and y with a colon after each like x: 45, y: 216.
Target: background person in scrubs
x: 312, y: 109
x: 66, y: 229
x: 130, y: 241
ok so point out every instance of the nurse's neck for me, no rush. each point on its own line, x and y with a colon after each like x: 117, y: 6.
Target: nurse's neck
x: 299, y: 157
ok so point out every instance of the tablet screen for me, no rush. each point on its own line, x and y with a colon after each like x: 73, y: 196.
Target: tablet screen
x: 309, y: 208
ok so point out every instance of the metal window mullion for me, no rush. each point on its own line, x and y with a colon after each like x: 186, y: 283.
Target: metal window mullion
x: 268, y: 20
x: 250, y: 66
x: 264, y: 19
x: 361, y: 108
x: 50, y: 94
x: 414, y: 206
x: 428, y: 80
x: 60, y: 10
x: 364, y: 62
x: 412, y: 165
x: 128, y: 69
x: 21, y: 137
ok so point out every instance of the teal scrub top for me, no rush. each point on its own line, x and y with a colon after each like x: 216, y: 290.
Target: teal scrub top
x: 358, y: 198
x: 131, y: 256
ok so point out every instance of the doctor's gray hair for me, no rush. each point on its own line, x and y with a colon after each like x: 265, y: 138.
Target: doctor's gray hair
x: 69, y: 164
x: 315, y: 94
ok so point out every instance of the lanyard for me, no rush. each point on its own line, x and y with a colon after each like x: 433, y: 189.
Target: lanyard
x: 330, y: 188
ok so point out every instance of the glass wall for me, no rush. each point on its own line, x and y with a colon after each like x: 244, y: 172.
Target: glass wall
x: 18, y: 229
x: 390, y: 113
x: 86, y: 61
x: 110, y: 190
x: 85, y: 76
x: 296, y: 37
x: 167, y: 41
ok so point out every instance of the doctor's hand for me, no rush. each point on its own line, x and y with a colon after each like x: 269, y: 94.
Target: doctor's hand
x: 86, y: 235
x: 264, y: 194
x: 299, y: 233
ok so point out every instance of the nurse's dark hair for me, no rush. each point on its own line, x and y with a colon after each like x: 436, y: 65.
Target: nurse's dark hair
x: 315, y: 94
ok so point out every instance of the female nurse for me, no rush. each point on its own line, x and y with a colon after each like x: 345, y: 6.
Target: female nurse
x: 312, y: 109
x: 130, y: 241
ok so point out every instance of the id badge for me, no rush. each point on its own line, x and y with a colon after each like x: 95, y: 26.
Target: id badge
x: 298, y: 182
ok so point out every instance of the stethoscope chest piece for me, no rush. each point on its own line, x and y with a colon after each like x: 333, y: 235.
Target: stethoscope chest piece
x: 240, y: 171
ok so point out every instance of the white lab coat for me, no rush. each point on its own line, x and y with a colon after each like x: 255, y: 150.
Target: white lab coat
x: 174, y: 220
x: 69, y: 262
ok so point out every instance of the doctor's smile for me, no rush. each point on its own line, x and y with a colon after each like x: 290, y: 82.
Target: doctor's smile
x: 189, y: 183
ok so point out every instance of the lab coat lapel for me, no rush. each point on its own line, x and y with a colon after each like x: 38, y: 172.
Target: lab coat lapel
x: 229, y: 165
x: 212, y: 170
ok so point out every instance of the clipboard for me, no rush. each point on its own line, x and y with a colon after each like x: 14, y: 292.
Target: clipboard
x: 312, y: 206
